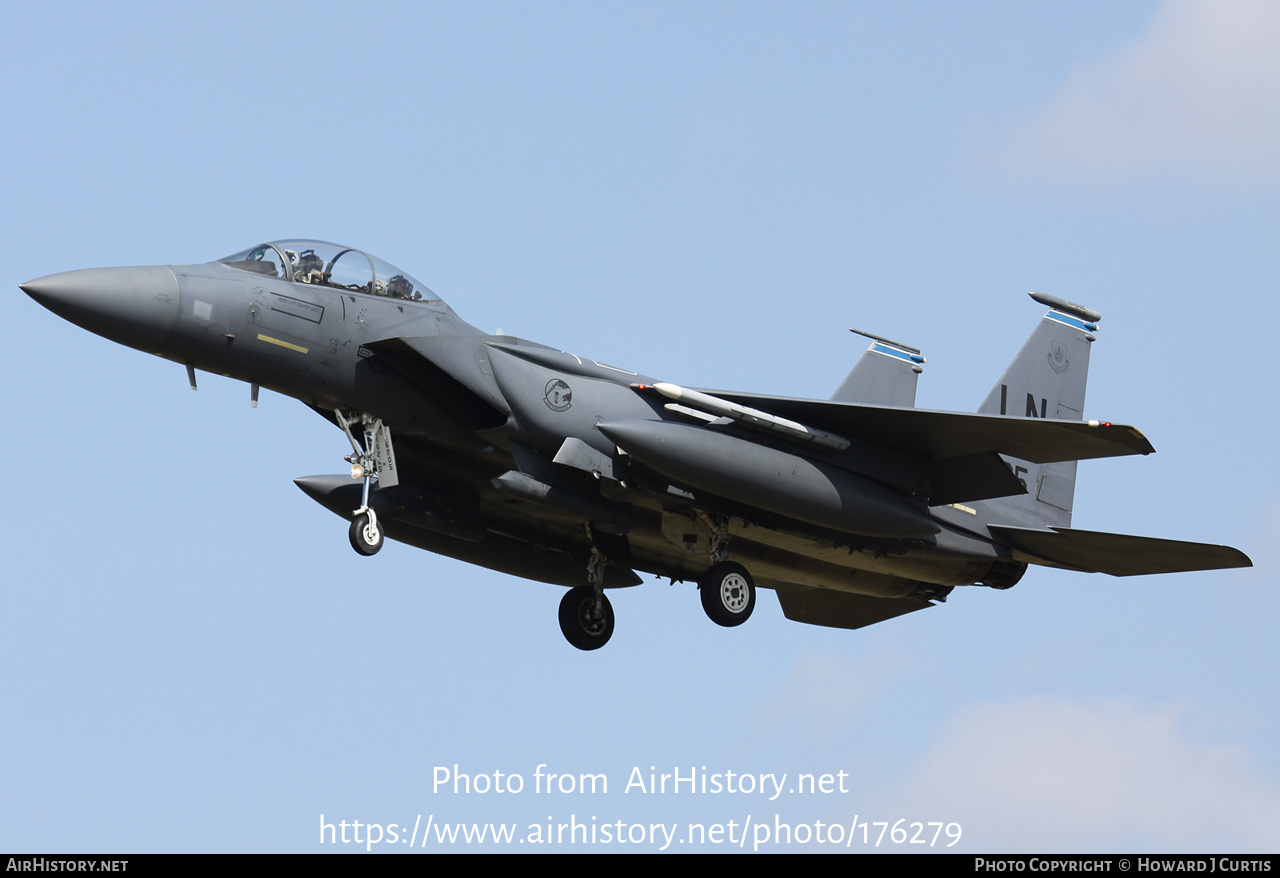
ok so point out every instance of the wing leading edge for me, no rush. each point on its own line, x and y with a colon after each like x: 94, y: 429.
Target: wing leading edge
x: 947, y: 435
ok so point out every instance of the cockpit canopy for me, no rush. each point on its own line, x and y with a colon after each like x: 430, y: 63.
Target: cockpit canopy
x: 329, y: 265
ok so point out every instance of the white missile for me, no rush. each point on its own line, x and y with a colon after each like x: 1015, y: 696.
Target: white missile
x: 723, y: 408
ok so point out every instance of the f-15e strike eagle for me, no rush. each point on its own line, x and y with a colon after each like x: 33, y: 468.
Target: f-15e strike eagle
x: 532, y: 461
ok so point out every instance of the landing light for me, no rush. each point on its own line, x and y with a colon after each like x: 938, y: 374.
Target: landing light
x: 357, y: 471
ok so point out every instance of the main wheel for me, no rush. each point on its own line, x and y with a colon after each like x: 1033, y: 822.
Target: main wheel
x: 581, y: 624
x: 728, y: 593
x: 366, y: 538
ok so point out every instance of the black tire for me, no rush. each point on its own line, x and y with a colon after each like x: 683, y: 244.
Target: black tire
x: 578, y: 621
x: 728, y: 594
x: 360, y: 536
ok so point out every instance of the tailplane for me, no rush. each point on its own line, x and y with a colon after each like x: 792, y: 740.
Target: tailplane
x: 1045, y: 380
x: 1117, y: 554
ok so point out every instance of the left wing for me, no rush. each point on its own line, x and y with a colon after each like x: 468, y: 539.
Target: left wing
x: 962, y: 450
x: 948, y: 435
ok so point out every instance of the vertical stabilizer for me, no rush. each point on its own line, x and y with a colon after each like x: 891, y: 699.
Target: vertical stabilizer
x: 886, y: 374
x: 1046, y: 380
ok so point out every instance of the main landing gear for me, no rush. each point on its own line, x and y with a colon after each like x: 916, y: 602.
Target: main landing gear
x: 728, y: 593
x: 375, y: 459
x: 727, y: 590
x: 586, y: 616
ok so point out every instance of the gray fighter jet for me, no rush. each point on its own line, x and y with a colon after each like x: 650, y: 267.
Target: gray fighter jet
x: 555, y: 467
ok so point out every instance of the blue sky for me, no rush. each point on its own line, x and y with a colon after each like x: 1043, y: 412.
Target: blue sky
x: 195, y: 660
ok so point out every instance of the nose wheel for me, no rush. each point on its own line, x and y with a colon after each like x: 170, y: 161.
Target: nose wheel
x: 366, y: 533
x: 728, y: 593
x: 375, y: 459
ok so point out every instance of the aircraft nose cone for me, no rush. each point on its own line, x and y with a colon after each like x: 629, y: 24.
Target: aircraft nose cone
x: 133, y: 306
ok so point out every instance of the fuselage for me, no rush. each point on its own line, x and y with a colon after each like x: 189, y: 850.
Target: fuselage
x: 522, y: 458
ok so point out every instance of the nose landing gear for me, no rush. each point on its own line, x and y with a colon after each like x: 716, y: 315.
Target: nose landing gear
x: 375, y: 459
x: 365, y: 532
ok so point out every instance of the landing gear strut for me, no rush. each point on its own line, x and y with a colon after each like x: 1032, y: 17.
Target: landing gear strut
x: 374, y: 460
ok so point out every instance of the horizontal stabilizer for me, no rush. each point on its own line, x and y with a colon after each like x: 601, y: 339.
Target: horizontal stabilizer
x: 838, y: 609
x: 946, y: 435
x: 1117, y: 554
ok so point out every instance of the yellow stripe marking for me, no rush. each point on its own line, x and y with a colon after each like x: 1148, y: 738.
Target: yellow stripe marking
x: 284, y: 344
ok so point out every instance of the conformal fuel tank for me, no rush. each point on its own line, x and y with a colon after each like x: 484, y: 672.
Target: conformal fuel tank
x: 786, y: 484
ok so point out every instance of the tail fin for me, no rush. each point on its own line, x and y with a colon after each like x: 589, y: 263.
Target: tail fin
x: 1046, y: 380
x: 886, y: 375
